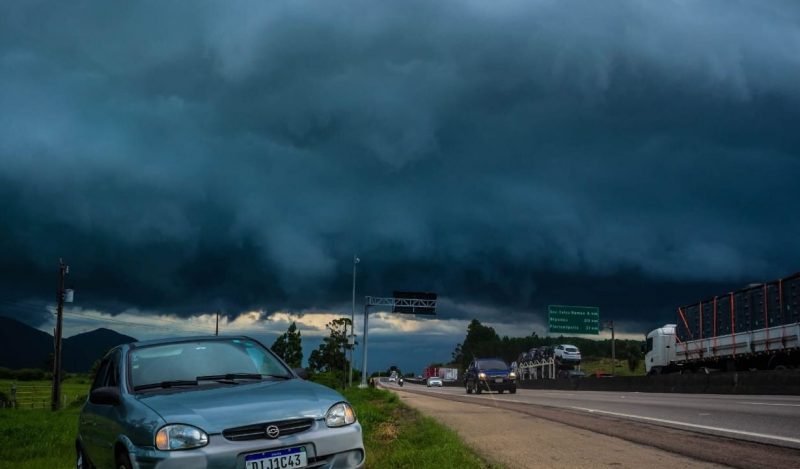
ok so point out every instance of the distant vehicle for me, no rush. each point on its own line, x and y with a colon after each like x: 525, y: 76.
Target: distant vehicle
x: 757, y: 327
x: 435, y: 381
x: 566, y: 353
x: 211, y: 402
x: 448, y: 374
x: 489, y: 374
x: 393, y: 377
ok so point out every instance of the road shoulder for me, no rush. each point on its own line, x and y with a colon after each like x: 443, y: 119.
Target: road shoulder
x: 521, y: 441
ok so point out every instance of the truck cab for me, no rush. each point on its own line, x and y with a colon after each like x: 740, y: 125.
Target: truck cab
x: 660, y: 356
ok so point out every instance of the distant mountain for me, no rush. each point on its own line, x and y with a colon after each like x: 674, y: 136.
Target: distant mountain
x: 23, y: 346
x: 81, y: 350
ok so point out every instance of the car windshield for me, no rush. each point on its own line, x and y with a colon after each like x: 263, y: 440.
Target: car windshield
x: 571, y: 349
x: 492, y: 365
x: 203, y: 361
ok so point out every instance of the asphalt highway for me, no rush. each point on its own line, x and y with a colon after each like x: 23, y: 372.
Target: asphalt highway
x: 774, y: 420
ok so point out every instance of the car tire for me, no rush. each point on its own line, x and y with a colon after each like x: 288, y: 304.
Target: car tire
x: 478, y: 389
x: 123, y: 461
x: 81, y: 461
x: 469, y: 389
x: 512, y: 391
x: 499, y: 391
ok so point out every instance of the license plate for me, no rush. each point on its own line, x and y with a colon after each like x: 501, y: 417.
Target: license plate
x: 289, y: 458
x: 498, y: 380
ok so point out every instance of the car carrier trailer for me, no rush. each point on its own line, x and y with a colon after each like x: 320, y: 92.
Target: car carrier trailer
x: 755, y: 328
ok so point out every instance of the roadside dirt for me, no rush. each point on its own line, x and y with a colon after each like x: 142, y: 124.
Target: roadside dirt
x: 520, y: 441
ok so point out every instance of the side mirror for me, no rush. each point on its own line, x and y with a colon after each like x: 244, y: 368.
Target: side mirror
x: 301, y: 372
x: 105, y: 396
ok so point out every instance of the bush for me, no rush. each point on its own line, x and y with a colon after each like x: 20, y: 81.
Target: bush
x: 332, y: 379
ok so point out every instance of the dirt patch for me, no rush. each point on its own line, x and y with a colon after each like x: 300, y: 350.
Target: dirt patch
x: 522, y: 441
x: 386, y: 431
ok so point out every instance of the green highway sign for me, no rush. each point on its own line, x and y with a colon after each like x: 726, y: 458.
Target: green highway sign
x: 573, y: 319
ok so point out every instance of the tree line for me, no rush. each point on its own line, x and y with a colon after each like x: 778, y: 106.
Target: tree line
x: 483, y: 341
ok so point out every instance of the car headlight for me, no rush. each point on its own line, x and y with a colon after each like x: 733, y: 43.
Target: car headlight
x: 482, y: 375
x: 172, y: 437
x: 339, y: 415
x: 512, y: 375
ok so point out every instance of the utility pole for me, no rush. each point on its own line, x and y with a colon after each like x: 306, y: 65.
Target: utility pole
x: 216, y: 331
x: 351, y: 344
x: 610, y: 325
x: 55, y: 399
x: 364, y: 349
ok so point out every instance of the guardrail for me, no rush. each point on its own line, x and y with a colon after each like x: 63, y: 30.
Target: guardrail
x: 776, y: 382
x: 786, y: 382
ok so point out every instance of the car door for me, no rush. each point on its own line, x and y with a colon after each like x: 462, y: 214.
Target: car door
x: 88, y: 421
x: 105, y: 416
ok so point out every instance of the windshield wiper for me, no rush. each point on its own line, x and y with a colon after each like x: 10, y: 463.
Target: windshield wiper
x: 230, y: 377
x: 165, y: 384
x: 279, y: 376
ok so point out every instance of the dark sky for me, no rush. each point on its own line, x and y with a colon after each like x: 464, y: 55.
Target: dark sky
x: 188, y: 157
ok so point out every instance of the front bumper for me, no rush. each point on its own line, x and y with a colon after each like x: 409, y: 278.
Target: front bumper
x: 490, y: 384
x: 326, y: 448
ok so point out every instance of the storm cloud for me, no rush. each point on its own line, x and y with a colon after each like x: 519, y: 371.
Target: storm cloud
x: 187, y: 157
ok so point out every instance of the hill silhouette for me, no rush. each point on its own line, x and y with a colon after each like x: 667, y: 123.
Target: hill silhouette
x: 23, y: 346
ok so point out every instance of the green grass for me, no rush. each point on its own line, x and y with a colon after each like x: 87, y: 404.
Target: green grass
x: 396, y: 436
x: 603, y: 365
x: 33, y: 439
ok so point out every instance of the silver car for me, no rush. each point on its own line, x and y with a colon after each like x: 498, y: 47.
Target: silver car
x: 212, y: 402
x: 434, y: 381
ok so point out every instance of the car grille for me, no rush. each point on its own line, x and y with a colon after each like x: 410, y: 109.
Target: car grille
x: 259, y: 430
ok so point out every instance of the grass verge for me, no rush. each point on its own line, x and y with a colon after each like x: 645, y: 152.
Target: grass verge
x: 33, y: 439
x: 396, y: 436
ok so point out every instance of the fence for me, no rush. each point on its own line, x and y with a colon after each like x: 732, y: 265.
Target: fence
x: 33, y: 396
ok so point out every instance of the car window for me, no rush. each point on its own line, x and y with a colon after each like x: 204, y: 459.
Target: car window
x: 112, y: 372
x: 100, y: 377
x: 188, y: 360
x: 492, y: 364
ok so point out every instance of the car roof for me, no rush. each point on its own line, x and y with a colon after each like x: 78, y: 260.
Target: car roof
x: 178, y: 340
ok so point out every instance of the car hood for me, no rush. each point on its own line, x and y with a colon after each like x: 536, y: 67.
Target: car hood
x: 216, y: 408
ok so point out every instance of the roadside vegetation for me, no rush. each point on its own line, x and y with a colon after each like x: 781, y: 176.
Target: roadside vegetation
x: 398, y: 436
x: 37, y: 438
x: 394, y: 435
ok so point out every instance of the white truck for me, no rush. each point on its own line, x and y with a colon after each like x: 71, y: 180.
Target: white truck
x: 755, y: 328
x: 448, y: 374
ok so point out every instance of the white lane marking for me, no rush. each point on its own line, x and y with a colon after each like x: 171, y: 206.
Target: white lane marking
x: 691, y: 425
x: 769, y: 403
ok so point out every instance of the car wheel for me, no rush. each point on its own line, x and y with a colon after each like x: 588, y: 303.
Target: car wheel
x: 469, y: 389
x: 478, y: 389
x: 124, y: 461
x: 81, y: 461
x: 512, y: 390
